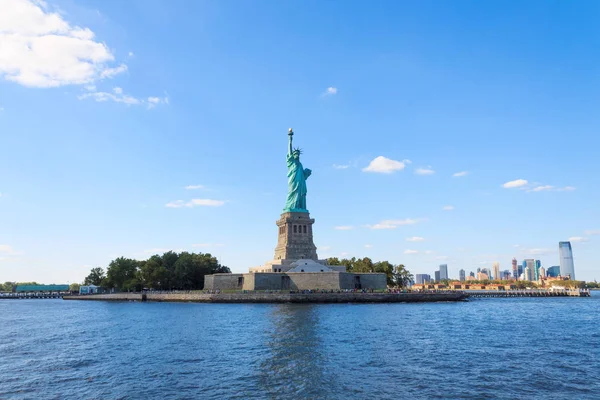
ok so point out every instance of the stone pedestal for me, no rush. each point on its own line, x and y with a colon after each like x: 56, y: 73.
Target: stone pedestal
x: 295, y: 238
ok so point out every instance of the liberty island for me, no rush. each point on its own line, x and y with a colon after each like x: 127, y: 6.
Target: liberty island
x: 296, y: 265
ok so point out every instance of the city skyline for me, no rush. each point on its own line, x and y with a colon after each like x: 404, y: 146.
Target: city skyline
x: 133, y: 129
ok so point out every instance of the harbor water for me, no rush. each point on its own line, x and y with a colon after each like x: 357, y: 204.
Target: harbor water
x: 506, y: 348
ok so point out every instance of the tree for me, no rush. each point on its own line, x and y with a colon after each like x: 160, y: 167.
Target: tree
x: 386, y: 268
x: 96, y: 277
x: 402, y: 277
x: 74, y: 287
x: 122, y: 274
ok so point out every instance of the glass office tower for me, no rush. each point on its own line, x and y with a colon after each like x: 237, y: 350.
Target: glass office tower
x: 565, y: 253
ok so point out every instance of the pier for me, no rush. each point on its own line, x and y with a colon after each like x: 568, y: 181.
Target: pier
x: 528, y: 293
x: 22, y: 295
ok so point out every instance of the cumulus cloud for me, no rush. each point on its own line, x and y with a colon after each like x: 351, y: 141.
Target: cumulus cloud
x: 344, y: 227
x: 411, y: 251
x: 424, y: 171
x: 368, y: 246
x: 515, y: 184
x: 393, y: 223
x: 407, y: 162
x: 579, y: 239
x: 566, y: 189
x: 195, y: 203
x: 38, y: 48
x: 448, y: 208
x: 542, y: 188
x: 384, y: 165
x: 194, y: 187
x: 154, y: 101
x: 415, y: 239
x: 459, y: 174
x: 330, y: 91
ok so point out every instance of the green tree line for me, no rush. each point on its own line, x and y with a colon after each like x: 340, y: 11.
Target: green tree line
x: 182, y: 271
x: 397, y: 275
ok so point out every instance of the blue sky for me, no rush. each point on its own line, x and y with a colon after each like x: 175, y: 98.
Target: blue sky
x: 109, y: 111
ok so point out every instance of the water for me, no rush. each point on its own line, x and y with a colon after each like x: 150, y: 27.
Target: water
x: 489, y: 348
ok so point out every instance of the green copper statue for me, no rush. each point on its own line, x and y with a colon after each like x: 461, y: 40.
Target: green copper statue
x: 297, y: 175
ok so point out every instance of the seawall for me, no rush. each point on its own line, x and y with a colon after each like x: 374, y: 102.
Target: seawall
x: 261, y: 297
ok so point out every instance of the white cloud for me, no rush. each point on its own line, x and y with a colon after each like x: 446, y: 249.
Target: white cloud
x: 415, y: 239
x: 448, y: 208
x: 411, y: 252
x: 344, y: 227
x: 154, y: 101
x: 368, y: 246
x: 330, y: 91
x: 579, y: 239
x: 441, y: 257
x: 407, y: 162
x: 591, y: 232
x: 542, y: 188
x: 336, y: 166
x: 384, y: 165
x: 112, y: 72
x: 324, y: 248
x: 194, y: 187
x: 424, y: 171
x: 1, y: 109
x: 394, y: 223
x: 459, y: 174
x: 429, y: 252
x: 208, y: 245
x: 130, y: 54
x: 343, y: 254
x: 566, y: 189
x: 159, y: 250
x: 38, y: 48
x: 117, y: 97
x: 195, y: 203
x: 515, y: 184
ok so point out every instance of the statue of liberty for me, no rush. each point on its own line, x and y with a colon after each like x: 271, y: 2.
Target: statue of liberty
x: 297, y: 175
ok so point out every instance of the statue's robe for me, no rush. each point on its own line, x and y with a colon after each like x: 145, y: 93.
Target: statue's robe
x: 296, y: 199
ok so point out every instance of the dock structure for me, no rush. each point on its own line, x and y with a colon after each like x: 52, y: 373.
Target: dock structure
x: 528, y: 293
x: 24, y: 295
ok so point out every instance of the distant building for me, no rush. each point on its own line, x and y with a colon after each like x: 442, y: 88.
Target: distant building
x: 42, y: 288
x: 536, y: 272
x: 90, y: 289
x: 515, y: 269
x: 496, y: 269
x: 481, y: 276
x: 529, y: 263
x: 565, y: 253
x: 444, y: 271
x: 542, y: 273
x: 437, y: 276
x: 506, y: 275
x: 422, y: 278
x: 553, y: 272
x: 472, y: 274
x: 461, y: 275
x: 487, y: 272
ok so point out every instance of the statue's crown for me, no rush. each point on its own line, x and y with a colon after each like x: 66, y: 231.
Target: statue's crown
x: 298, y: 150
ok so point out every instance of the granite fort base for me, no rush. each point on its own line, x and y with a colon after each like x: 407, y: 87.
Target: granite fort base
x: 295, y: 281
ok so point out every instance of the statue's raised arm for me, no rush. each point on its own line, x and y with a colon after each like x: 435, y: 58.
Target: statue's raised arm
x: 291, y: 136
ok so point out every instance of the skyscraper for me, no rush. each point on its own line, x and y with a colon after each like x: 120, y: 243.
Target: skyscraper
x: 422, y: 278
x: 515, y: 269
x: 542, y: 273
x: 529, y: 263
x: 461, y: 275
x: 496, y: 269
x: 437, y: 276
x: 443, y: 271
x: 566, y: 260
x: 536, y: 270
x: 553, y: 271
